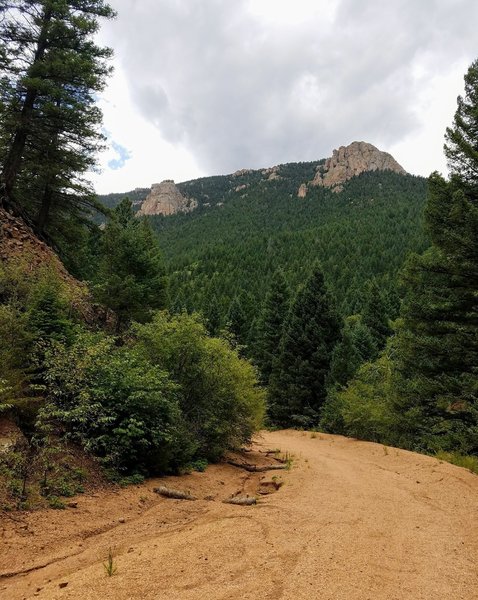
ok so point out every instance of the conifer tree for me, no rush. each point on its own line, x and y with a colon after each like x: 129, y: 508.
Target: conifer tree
x: 131, y: 277
x: 271, y: 324
x: 213, y: 316
x: 237, y: 321
x: 346, y: 358
x: 461, y: 147
x: 298, y: 383
x: 49, y: 121
x: 374, y: 316
x: 47, y: 317
x: 438, y: 345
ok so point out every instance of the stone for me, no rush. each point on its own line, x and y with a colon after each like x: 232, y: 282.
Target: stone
x: 302, y: 191
x: 165, y: 199
x: 349, y: 161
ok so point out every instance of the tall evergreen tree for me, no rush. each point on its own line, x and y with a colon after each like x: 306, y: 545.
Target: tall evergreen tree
x: 439, y: 341
x: 49, y: 122
x: 271, y: 324
x: 374, y: 316
x: 461, y: 147
x: 131, y: 277
x: 346, y: 358
x: 213, y: 316
x: 237, y: 320
x: 298, y: 384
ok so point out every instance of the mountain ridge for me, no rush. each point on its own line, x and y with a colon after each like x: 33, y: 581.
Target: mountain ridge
x: 168, y: 198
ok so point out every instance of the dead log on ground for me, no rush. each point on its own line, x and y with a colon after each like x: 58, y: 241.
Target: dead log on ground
x: 170, y: 493
x: 256, y: 468
x: 241, y: 501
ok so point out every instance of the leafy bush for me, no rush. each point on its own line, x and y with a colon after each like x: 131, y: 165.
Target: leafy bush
x: 368, y: 407
x: 116, y: 404
x: 220, y: 399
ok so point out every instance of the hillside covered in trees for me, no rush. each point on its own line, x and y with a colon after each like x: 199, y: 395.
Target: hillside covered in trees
x: 232, y: 251
x: 162, y: 342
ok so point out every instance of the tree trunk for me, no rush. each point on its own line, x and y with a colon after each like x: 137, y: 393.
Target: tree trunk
x: 44, y: 211
x: 13, y: 160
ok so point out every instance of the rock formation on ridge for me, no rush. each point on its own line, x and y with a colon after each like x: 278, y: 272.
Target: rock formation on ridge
x: 165, y: 199
x: 348, y: 161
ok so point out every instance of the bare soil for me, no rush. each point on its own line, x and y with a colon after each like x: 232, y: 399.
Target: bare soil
x: 353, y: 520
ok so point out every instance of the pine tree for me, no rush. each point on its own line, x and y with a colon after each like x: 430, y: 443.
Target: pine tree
x: 461, y: 147
x: 237, y: 321
x: 298, y: 383
x: 131, y: 277
x: 374, y: 316
x: 49, y: 122
x: 346, y: 358
x: 47, y: 317
x: 438, y: 345
x: 271, y: 324
x: 363, y: 340
x: 213, y: 317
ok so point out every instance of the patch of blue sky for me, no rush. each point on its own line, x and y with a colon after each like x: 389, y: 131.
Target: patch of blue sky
x: 123, y: 155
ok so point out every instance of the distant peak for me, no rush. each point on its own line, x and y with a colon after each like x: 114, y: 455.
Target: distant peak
x: 348, y: 161
x: 165, y: 199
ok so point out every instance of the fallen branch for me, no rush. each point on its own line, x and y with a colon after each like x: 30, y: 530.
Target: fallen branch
x: 170, y: 493
x: 241, y: 501
x: 255, y: 468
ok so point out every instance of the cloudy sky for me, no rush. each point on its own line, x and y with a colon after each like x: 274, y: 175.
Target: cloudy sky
x: 204, y: 87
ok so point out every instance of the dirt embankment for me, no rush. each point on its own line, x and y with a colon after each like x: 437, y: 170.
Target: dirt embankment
x: 352, y: 521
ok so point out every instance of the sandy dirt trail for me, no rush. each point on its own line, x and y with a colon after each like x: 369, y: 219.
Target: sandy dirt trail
x: 353, y: 520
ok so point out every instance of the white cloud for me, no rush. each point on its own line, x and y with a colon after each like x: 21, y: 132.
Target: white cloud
x: 151, y: 157
x: 210, y: 86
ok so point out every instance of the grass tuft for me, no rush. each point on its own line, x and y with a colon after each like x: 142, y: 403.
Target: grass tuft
x: 460, y: 460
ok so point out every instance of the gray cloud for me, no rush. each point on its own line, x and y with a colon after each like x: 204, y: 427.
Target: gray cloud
x: 238, y: 92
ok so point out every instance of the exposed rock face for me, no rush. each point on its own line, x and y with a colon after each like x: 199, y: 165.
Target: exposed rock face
x: 302, y: 191
x: 10, y: 434
x: 18, y: 243
x: 272, y: 173
x: 165, y: 199
x: 242, y: 172
x: 349, y: 161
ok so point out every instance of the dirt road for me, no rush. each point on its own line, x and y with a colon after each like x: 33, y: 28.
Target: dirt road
x: 352, y: 521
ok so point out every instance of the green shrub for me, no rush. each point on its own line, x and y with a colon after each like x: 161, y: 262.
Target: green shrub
x: 220, y: 399
x: 55, y: 502
x: 116, y: 405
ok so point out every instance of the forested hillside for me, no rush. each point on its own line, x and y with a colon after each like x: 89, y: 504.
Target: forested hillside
x: 157, y: 344
x: 363, y: 232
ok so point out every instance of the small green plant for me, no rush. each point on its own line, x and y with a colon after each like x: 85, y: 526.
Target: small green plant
x: 114, y: 476
x: 199, y: 465
x: 134, y: 479
x: 79, y: 474
x: 460, y: 460
x: 287, y: 459
x: 385, y: 450
x: 55, y: 502
x: 110, y: 565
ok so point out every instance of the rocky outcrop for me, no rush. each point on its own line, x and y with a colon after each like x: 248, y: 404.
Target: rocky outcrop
x: 242, y: 172
x: 18, y: 242
x: 272, y: 173
x: 302, y: 191
x: 165, y: 199
x: 352, y: 160
x: 10, y: 434
x: 20, y: 245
